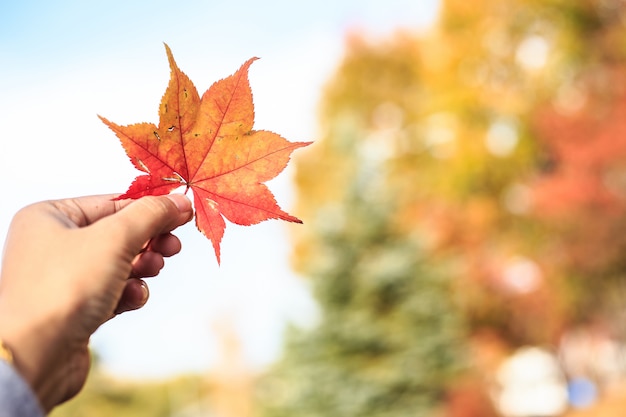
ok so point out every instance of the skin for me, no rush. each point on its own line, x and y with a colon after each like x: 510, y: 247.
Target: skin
x: 69, y: 266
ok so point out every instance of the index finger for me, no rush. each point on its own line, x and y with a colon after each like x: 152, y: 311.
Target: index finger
x: 83, y: 211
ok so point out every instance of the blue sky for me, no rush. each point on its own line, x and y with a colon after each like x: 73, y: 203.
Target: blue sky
x: 64, y: 62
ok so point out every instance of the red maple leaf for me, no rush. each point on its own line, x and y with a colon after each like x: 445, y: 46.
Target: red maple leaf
x: 207, y: 145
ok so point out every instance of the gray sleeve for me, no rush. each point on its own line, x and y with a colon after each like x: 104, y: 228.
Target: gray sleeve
x: 16, y: 397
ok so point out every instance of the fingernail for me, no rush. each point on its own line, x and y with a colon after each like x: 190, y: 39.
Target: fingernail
x: 182, y: 202
x: 145, y: 293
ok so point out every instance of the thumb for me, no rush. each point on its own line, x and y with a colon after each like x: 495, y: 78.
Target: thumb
x: 148, y: 217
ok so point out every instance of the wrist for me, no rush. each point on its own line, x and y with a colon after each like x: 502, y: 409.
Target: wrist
x: 24, y: 343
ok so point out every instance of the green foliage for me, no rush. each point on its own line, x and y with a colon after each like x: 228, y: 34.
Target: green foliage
x: 105, y: 397
x: 388, y: 339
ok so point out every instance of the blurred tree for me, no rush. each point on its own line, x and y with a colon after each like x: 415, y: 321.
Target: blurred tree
x: 486, y: 157
x: 389, y: 336
x: 525, y: 130
x: 581, y: 193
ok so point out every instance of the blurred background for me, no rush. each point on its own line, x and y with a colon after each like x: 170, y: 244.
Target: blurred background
x: 464, y: 203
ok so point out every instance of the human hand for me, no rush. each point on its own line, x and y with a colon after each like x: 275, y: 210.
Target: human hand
x: 69, y: 266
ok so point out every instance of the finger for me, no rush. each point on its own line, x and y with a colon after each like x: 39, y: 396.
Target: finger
x: 83, y: 211
x: 134, y: 296
x: 166, y: 244
x: 147, y: 264
x: 145, y: 218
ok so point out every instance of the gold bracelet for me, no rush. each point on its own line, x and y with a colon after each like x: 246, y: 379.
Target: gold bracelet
x: 5, y: 353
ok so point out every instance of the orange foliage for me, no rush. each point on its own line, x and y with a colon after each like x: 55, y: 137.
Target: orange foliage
x: 582, y: 191
x: 587, y: 150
